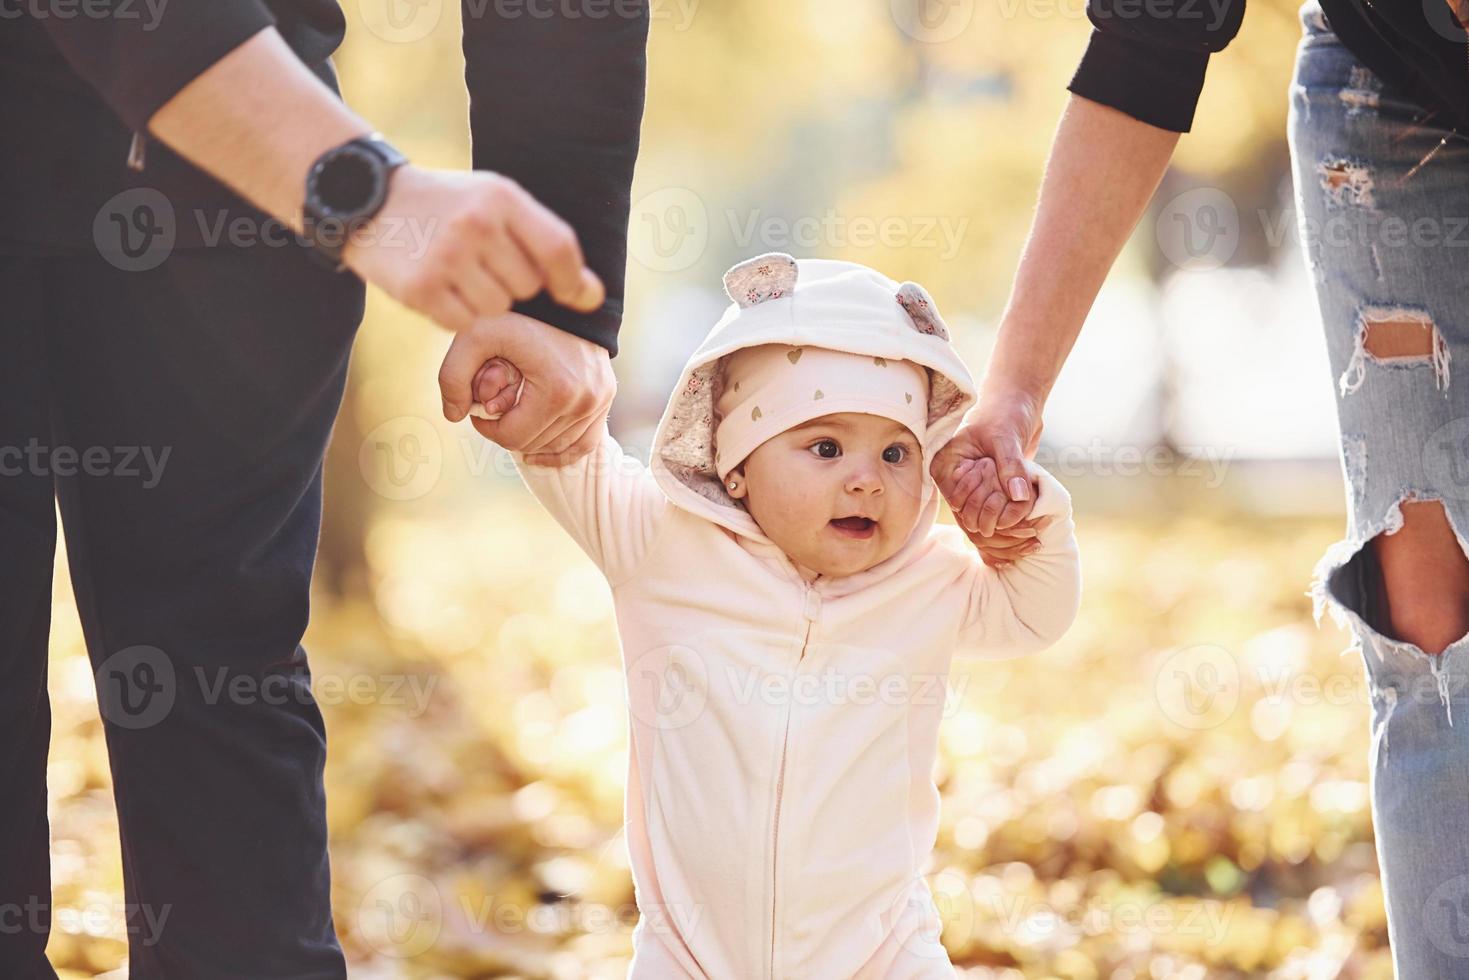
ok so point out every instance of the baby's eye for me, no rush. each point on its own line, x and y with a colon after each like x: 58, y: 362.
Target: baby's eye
x: 826, y: 449
x: 895, y: 454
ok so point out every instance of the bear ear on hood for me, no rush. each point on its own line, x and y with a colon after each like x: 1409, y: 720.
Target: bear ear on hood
x: 768, y: 276
x: 922, y: 310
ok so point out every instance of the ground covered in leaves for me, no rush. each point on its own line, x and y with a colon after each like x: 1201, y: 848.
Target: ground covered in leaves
x: 1179, y: 789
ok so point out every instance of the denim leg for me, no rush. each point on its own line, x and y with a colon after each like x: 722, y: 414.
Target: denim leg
x: 1383, y: 205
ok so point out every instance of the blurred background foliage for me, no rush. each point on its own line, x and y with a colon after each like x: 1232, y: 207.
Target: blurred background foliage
x: 1177, y: 790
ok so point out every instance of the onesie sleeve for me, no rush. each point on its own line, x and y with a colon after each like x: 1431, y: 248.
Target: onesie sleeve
x: 607, y: 501
x: 1031, y: 603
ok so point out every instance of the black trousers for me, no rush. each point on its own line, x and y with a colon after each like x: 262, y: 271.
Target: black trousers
x: 179, y: 416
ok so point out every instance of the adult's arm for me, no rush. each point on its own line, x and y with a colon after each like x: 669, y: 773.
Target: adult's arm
x: 1103, y: 168
x: 556, y: 103
x: 1134, y: 92
x: 215, y: 81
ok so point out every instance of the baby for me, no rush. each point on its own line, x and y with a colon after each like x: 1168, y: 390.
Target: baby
x: 788, y: 610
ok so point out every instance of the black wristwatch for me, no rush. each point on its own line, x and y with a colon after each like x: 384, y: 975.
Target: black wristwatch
x: 345, y: 188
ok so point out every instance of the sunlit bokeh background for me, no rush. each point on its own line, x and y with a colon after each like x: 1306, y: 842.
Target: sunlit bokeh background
x: 1176, y: 790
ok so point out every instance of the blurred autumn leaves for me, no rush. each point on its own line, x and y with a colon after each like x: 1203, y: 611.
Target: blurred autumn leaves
x: 1179, y: 789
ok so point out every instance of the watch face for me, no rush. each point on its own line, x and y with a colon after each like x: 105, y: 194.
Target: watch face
x: 349, y: 182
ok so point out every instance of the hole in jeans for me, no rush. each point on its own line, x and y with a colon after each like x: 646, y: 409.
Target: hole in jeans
x: 1418, y: 580
x: 1346, y: 182
x: 1396, y: 337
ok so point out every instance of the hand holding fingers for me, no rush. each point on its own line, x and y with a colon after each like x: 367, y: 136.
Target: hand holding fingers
x: 497, y: 388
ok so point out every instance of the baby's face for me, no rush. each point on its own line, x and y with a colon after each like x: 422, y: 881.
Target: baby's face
x: 838, y: 494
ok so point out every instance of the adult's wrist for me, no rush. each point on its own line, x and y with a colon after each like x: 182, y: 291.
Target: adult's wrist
x: 345, y: 190
x: 373, y: 233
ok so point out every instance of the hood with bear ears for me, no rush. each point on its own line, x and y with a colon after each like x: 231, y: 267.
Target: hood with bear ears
x: 804, y: 303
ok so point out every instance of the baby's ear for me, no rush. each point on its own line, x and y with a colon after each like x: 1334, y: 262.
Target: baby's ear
x: 768, y: 276
x: 736, y: 476
x: 922, y: 310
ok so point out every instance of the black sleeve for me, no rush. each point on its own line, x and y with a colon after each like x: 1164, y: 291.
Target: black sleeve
x: 1147, y: 57
x: 556, y: 103
x: 137, y: 61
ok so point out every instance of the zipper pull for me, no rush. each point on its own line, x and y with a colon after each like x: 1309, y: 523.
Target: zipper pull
x: 138, y: 151
x: 812, y: 611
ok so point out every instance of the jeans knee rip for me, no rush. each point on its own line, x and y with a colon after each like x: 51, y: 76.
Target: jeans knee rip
x: 1406, y: 656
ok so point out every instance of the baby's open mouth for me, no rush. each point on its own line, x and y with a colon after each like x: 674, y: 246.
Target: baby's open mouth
x: 857, y: 527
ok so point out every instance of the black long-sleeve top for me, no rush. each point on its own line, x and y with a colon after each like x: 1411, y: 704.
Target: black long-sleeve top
x: 1147, y: 57
x: 556, y: 103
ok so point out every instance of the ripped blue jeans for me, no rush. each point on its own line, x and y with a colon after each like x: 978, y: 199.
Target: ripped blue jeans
x: 1382, y: 197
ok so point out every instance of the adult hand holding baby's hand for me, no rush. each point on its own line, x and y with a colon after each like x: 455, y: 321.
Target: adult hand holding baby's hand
x: 982, y: 473
x: 565, y: 386
x: 979, y: 480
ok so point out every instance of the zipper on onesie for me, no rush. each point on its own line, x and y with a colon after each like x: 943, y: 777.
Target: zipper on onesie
x: 811, y: 612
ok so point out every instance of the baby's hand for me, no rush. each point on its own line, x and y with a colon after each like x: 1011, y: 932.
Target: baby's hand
x: 495, y: 389
x: 979, y: 482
